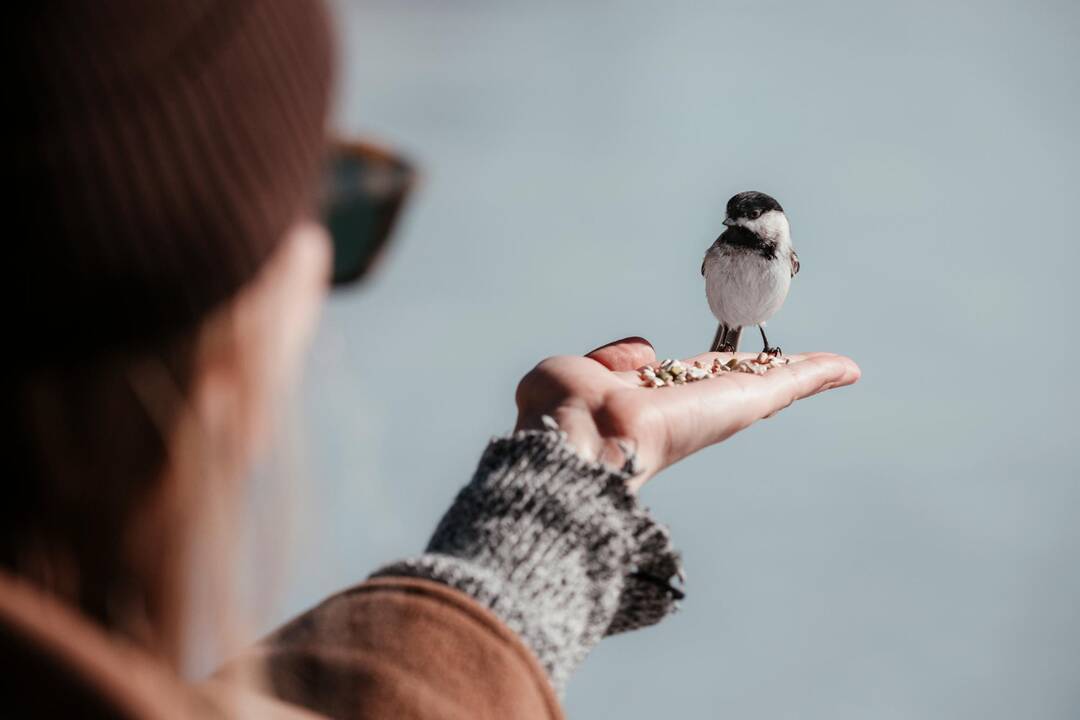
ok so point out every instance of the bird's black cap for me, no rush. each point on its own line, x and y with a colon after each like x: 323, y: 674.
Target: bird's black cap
x: 745, y: 203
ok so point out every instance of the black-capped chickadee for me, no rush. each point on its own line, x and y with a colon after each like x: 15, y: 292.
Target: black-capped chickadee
x: 748, y: 269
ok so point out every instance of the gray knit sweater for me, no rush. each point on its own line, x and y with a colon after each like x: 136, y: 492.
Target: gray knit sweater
x: 556, y: 546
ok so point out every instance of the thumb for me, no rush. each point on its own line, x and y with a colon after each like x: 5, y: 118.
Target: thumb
x: 626, y: 354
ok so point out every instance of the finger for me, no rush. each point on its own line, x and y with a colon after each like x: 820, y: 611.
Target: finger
x: 702, y: 413
x: 626, y: 354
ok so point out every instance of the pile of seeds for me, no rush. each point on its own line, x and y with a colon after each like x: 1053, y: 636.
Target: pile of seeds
x: 675, y: 372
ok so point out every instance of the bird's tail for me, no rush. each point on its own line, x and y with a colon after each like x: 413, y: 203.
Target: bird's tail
x: 726, y: 336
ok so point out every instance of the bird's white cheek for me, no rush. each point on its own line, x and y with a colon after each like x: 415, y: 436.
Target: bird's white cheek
x: 773, y: 226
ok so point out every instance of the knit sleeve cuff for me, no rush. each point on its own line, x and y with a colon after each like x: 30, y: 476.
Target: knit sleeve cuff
x: 556, y: 546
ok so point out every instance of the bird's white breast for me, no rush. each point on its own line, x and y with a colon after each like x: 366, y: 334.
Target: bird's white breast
x: 743, y: 287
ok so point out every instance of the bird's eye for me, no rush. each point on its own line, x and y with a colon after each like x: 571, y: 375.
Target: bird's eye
x: 755, y: 214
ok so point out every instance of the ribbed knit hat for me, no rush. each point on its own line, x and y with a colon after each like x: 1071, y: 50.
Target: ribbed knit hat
x: 162, y: 148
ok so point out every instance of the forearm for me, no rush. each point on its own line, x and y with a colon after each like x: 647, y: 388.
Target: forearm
x: 556, y: 546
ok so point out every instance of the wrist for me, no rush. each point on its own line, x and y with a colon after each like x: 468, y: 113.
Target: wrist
x: 581, y: 432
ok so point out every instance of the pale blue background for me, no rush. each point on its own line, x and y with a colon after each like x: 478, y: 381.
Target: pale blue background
x: 908, y: 548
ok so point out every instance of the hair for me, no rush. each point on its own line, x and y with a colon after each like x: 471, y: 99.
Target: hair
x: 91, y: 441
x: 163, y: 150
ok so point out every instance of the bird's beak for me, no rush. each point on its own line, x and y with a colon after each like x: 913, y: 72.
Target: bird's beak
x: 729, y: 222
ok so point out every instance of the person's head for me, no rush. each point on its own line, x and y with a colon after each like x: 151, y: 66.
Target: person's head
x: 170, y: 278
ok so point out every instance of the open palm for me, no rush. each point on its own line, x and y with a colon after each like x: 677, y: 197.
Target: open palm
x: 602, y: 405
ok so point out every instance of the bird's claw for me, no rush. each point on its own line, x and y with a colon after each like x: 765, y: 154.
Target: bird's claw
x: 726, y: 347
x: 773, y: 351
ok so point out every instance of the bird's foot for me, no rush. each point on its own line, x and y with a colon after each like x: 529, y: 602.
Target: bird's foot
x: 726, y: 347
x: 773, y: 351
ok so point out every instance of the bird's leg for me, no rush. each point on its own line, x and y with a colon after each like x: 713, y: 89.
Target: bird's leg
x: 723, y: 340
x: 774, y: 351
x: 731, y: 339
x: 718, y: 339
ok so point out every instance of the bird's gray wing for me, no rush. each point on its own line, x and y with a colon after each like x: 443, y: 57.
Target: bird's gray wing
x: 715, y: 243
x: 794, y: 263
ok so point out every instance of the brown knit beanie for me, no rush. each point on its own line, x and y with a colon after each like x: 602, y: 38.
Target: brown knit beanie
x: 162, y: 148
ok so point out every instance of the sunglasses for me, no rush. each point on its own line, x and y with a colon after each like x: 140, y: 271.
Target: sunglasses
x: 364, y: 189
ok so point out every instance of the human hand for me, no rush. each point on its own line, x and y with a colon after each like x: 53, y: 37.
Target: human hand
x: 601, y: 404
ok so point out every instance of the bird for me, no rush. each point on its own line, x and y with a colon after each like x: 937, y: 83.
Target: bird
x: 748, y: 269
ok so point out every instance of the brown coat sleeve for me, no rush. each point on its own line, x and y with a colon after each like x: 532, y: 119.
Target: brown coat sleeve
x: 405, y: 648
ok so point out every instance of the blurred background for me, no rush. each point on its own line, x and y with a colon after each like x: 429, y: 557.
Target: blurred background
x: 907, y: 548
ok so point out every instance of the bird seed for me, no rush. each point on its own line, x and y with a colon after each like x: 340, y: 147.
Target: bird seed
x: 676, y: 372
